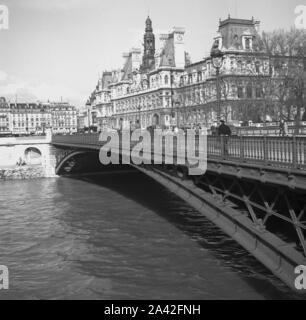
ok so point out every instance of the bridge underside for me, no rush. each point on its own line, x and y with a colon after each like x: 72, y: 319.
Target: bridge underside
x: 263, y: 208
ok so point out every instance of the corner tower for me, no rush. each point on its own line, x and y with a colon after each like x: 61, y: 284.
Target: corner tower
x: 149, y: 47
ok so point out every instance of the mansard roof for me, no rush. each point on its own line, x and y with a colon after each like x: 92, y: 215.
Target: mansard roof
x: 233, y: 30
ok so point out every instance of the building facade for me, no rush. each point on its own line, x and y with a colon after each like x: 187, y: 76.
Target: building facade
x: 63, y: 118
x: 29, y: 118
x: 5, y: 117
x: 35, y: 118
x: 162, y: 87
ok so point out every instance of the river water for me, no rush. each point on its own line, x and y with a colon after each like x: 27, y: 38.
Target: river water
x: 119, y: 236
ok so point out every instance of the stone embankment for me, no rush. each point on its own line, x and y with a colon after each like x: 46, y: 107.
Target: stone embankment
x: 25, y: 172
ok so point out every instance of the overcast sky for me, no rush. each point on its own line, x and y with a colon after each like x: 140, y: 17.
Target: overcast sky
x: 57, y: 48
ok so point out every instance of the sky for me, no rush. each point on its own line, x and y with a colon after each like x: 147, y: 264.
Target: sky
x: 56, y: 49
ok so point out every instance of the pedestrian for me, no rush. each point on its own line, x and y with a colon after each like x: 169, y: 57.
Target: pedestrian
x: 224, y: 132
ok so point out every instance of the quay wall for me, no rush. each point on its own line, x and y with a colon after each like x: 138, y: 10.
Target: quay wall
x: 26, y: 158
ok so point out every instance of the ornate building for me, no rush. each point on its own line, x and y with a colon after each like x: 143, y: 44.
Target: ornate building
x: 141, y: 93
x: 243, y: 75
x: 164, y: 88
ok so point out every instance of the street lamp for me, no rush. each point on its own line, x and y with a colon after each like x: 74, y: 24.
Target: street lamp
x: 139, y: 121
x: 177, y: 106
x: 217, y: 57
x: 171, y: 85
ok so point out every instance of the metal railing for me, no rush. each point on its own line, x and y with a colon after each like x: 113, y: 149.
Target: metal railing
x: 286, y: 152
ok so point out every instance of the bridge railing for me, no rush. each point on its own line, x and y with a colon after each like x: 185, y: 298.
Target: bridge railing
x: 91, y: 139
x: 287, y: 152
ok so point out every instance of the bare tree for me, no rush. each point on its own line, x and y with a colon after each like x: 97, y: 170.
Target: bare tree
x: 287, y: 52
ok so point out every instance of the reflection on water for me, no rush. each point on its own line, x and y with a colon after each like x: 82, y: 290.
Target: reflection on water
x: 119, y: 237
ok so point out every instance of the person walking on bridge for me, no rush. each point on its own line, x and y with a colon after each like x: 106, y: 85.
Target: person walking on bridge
x: 224, y: 132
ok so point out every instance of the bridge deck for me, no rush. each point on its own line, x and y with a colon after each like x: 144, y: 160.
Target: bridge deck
x: 279, y: 152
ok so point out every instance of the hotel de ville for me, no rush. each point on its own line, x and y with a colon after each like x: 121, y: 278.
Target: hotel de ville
x: 161, y: 86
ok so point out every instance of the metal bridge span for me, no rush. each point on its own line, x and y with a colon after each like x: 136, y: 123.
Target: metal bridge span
x: 254, y: 190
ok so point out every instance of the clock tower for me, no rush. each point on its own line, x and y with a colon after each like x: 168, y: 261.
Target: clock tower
x: 149, y: 47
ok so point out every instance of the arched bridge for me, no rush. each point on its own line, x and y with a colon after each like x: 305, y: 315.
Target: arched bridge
x: 254, y: 189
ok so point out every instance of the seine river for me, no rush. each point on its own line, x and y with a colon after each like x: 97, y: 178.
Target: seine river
x: 119, y: 236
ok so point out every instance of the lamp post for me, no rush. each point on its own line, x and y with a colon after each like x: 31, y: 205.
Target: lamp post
x: 172, y: 98
x: 217, y: 57
x: 177, y: 106
x: 139, y: 121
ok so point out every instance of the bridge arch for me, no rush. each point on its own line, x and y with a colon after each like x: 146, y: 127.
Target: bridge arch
x: 33, y: 155
x: 70, y: 156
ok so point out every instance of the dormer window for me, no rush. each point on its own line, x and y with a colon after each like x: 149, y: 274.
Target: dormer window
x: 247, y: 44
